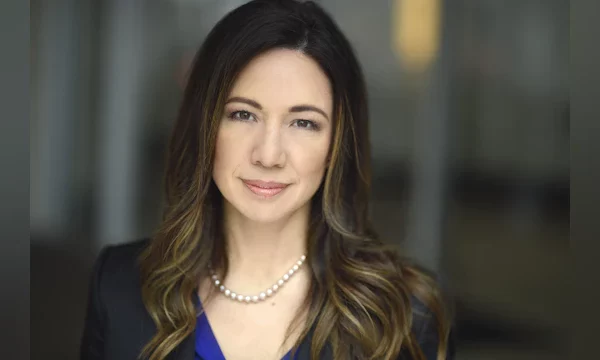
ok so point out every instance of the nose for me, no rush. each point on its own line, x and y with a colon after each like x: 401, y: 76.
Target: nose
x: 268, y: 151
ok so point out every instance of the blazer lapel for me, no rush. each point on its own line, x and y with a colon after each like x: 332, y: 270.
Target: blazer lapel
x: 303, y: 352
x: 185, y: 350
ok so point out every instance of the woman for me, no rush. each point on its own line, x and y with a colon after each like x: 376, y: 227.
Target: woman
x: 266, y: 250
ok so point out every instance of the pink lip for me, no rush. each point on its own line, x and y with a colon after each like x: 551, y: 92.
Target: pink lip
x: 265, y: 188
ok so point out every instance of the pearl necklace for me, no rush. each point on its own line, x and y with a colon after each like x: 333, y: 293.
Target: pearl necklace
x: 263, y: 295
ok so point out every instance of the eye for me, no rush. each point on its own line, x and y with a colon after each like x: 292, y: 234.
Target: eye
x: 306, y: 124
x: 242, y: 115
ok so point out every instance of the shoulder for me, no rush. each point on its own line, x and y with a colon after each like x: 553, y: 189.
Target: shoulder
x: 430, y: 304
x: 120, y: 261
x: 122, y: 256
x: 116, y: 275
x: 116, y: 324
x: 425, y: 329
x: 424, y: 323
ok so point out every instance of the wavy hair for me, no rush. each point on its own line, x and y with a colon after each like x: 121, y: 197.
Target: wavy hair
x: 359, y: 301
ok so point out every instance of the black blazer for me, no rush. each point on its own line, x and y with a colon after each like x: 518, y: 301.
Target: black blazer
x: 117, y: 325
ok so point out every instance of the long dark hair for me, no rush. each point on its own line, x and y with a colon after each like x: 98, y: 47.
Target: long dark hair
x: 360, y: 295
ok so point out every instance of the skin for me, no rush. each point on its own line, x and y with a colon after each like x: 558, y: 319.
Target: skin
x: 276, y: 126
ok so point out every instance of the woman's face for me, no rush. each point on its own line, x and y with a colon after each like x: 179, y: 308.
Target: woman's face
x: 273, y: 141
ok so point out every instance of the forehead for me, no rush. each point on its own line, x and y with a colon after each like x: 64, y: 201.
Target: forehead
x: 283, y: 78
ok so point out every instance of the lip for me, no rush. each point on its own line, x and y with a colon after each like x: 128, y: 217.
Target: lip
x: 265, y: 189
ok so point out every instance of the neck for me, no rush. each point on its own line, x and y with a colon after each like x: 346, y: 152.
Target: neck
x: 264, y: 251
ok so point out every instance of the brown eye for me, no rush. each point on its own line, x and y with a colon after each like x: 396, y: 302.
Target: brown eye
x: 241, y: 115
x: 306, y: 124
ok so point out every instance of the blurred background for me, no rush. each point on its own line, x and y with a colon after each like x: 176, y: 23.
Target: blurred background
x: 469, y: 103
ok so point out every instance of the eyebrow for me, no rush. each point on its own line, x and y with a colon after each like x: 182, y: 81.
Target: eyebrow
x: 293, y: 109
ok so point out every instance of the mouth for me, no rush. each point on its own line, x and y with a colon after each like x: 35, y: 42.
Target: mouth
x: 265, y: 189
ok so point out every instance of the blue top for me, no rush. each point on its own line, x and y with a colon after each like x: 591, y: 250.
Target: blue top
x: 207, y: 347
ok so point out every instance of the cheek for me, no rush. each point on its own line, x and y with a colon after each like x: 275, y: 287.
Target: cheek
x: 313, y: 163
x: 225, y: 154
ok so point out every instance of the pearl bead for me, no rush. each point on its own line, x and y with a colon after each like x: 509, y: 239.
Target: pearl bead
x: 263, y: 295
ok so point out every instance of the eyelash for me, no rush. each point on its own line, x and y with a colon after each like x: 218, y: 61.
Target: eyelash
x: 233, y: 114
x: 313, y: 125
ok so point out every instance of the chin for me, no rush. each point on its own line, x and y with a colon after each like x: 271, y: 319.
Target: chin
x: 265, y: 213
x: 265, y: 217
